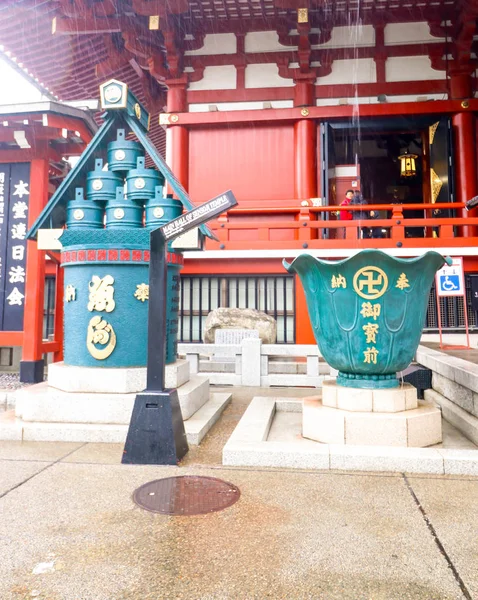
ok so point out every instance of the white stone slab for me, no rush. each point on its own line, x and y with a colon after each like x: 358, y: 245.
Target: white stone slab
x: 459, y: 418
x: 322, y: 423
x: 111, y: 381
x: 389, y: 400
x: 201, y: 422
x: 251, y: 362
x: 375, y: 429
x: 354, y: 399
x: 10, y: 427
x: 424, y: 429
x: 177, y: 374
x: 193, y: 394
x: 329, y: 393
x: 43, y: 403
x: 256, y: 421
x: 98, y: 380
x: 74, y: 432
x: 460, y: 461
x: 276, y: 454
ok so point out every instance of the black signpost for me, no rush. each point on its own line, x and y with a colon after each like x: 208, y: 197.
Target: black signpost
x: 156, y: 433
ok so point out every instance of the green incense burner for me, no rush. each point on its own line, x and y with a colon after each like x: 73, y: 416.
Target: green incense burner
x: 367, y: 312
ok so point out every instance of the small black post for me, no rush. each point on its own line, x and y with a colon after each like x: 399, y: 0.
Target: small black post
x: 156, y: 434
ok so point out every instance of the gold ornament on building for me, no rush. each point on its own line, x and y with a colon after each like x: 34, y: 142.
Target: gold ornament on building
x: 302, y: 15
x: 305, y: 112
x: 174, y: 118
x: 153, y: 24
x: 137, y: 110
x: 70, y: 293
x: 101, y: 293
x: 408, y: 165
x: 432, y: 130
x: 100, y: 332
x: 142, y: 292
x: 436, y: 185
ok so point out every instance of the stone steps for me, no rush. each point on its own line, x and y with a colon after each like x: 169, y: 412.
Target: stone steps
x: 16, y: 429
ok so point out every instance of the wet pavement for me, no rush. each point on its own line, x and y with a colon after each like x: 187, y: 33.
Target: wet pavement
x: 69, y: 529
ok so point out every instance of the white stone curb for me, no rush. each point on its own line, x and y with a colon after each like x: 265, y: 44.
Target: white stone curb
x: 247, y: 447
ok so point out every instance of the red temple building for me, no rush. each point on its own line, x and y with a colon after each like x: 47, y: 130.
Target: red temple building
x: 289, y: 103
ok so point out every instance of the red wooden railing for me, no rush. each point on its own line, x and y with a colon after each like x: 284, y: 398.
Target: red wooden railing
x: 314, y: 227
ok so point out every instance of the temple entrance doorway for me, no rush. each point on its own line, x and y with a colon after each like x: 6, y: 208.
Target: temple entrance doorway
x: 400, y: 160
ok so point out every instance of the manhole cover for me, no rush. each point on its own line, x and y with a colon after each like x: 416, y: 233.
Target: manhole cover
x: 186, y: 495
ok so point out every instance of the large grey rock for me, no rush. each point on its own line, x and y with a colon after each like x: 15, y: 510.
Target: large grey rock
x: 240, y: 318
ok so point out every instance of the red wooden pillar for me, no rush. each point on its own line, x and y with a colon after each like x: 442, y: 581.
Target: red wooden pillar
x: 58, y: 322
x: 305, y: 144
x: 32, y: 365
x: 305, y: 187
x: 466, y: 166
x: 177, y: 135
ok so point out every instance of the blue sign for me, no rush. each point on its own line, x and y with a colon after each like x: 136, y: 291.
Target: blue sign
x: 450, y: 283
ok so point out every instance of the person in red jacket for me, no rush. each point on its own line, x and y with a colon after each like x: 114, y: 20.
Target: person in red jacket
x: 346, y: 215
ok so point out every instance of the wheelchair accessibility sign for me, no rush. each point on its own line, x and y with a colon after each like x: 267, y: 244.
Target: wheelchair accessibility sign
x: 450, y: 280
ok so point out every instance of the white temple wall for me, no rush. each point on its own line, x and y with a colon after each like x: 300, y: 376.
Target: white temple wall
x: 264, y: 41
x: 216, y: 78
x: 397, y: 34
x: 216, y: 43
x: 360, y: 70
x: 265, y: 76
x: 344, y: 72
x: 413, y: 68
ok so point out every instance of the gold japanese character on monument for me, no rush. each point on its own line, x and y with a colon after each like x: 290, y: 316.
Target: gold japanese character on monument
x: 370, y: 355
x: 101, y: 293
x: 70, y: 293
x: 370, y: 310
x: 100, y: 332
x: 339, y: 281
x: 370, y: 330
x: 370, y: 282
x: 402, y: 282
x: 142, y: 292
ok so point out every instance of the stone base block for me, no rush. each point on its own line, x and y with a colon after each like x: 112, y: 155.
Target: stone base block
x: 43, y: 403
x: 417, y: 428
x: 111, y: 381
x: 361, y: 400
x: 193, y: 395
x: 16, y: 429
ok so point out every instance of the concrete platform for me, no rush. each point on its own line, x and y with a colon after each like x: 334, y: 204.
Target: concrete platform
x: 251, y: 446
x: 16, y: 429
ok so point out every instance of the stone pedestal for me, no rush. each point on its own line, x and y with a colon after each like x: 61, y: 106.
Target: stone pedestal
x: 85, y: 404
x: 385, y: 417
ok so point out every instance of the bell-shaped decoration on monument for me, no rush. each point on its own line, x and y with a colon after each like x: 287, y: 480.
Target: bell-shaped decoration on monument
x: 123, y: 153
x: 160, y: 211
x: 100, y: 184
x: 122, y: 212
x: 141, y: 182
x: 83, y: 213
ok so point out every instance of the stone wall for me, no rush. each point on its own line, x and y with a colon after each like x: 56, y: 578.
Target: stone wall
x: 455, y: 389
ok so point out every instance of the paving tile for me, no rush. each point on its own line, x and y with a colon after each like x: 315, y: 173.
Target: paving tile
x: 452, y: 506
x: 290, y: 536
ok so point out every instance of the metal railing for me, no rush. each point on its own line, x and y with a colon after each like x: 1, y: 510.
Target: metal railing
x: 272, y: 294
x: 314, y: 227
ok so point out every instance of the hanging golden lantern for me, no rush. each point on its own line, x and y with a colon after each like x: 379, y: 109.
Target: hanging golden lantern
x: 408, y: 166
